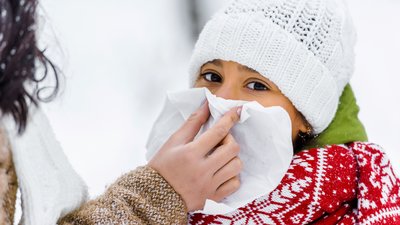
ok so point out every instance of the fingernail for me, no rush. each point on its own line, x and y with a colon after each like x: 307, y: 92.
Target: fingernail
x: 239, y: 111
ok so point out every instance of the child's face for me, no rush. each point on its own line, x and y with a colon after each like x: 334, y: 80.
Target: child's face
x: 234, y: 81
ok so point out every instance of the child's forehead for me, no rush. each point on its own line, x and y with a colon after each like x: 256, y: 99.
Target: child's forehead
x: 221, y: 63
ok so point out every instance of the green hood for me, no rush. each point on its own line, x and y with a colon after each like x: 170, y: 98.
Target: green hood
x: 345, y: 127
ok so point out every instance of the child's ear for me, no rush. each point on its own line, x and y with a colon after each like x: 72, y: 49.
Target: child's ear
x: 304, y: 126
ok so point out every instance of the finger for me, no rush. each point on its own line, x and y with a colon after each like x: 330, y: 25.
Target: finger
x: 192, y: 125
x: 216, y: 133
x: 231, y: 169
x: 228, y: 150
x: 226, y: 189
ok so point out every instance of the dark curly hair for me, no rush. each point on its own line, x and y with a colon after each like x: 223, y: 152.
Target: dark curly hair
x: 20, y: 58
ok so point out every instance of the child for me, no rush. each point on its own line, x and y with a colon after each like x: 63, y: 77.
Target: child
x: 296, y: 54
x: 299, y: 54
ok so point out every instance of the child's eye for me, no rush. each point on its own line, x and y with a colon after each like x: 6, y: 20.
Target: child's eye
x: 257, y: 86
x: 211, y: 77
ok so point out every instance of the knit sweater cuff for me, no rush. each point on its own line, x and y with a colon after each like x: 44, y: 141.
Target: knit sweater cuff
x: 141, y: 196
x: 160, y: 197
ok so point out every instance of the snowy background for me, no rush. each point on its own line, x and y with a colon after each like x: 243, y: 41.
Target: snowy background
x: 120, y: 57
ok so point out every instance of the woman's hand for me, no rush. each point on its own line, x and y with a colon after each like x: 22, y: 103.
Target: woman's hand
x: 205, y: 168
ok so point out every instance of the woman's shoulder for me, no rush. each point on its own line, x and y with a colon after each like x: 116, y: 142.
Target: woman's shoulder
x: 8, y: 181
x: 5, y: 153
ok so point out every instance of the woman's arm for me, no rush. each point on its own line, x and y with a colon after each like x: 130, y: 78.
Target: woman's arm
x: 138, y: 197
x: 179, y: 178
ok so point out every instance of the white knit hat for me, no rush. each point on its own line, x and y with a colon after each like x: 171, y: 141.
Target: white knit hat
x: 306, y: 47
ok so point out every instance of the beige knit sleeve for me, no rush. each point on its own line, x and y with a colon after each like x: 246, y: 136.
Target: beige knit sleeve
x: 138, y: 197
x: 8, y: 182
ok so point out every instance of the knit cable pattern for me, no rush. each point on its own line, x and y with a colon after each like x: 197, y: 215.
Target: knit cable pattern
x: 306, y: 47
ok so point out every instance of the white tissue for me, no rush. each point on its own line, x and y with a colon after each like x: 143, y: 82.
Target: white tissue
x: 263, y: 133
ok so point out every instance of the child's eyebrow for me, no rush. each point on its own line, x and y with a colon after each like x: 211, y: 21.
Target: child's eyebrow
x: 216, y: 62
x: 248, y: 69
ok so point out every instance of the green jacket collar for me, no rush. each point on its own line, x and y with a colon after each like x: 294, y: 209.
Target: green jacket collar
x: 345, y: 127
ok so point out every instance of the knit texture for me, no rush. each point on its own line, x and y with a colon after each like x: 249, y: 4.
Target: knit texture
x: 339, y: 184
x: 306, y: 47
x: 139, y: 197
x: 8, y: 182
x: 346, y: 127
x: 50, y: 188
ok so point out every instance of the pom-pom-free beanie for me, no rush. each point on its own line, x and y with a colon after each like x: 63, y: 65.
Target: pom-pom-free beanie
x: 306, y: 47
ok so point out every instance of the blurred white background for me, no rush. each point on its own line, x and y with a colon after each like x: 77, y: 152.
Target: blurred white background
x: 120, y: 57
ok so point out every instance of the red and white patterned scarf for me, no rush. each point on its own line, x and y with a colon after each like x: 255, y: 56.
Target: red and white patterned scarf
x: 339, y: 184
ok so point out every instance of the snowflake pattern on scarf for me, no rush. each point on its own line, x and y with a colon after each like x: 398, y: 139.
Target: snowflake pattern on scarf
x: 339, y: 184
